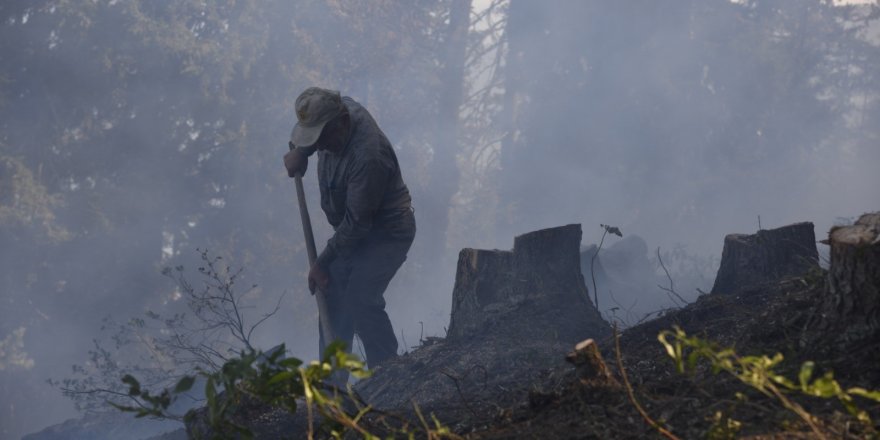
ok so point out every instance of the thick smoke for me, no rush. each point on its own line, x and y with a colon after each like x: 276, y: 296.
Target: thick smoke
x: 134, y: 133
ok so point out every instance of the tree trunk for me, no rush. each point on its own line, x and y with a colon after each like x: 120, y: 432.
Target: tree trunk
x: 535, y: 291
x: 850, y: 311
x: 444, y: 169
x: 768, y: 256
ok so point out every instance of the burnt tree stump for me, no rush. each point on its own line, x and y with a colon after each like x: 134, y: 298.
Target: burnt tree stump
x: 767, y: 256
x: 849, y: 313
x: 534, y: 291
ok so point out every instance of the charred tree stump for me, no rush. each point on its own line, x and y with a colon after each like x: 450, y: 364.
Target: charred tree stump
x: 591, y: 368
x: 849, y: 313
x: 535, y: 291
x: 768, y: 256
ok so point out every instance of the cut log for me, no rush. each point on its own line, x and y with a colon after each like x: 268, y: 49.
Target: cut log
x: 534, y: 291
x: 849, y: 313
x: 768, y: 256
x: 591, y: 368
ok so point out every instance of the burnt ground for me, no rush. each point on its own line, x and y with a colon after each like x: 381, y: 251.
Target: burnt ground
x: 510, y: 386
x: 501, y: 401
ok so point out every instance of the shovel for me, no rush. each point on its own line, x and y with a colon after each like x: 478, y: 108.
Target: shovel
x: 323, y: 317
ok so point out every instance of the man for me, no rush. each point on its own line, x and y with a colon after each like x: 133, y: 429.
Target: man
x: 369, y: 207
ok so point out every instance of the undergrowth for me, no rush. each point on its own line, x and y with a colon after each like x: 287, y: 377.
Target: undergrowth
x: 289, y: 384
x: 761, y: 373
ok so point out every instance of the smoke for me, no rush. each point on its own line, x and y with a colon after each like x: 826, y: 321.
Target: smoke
x: 160, y: 128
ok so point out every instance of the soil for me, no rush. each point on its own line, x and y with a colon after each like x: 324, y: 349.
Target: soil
x: 504, y: 387
x: 553, y: 403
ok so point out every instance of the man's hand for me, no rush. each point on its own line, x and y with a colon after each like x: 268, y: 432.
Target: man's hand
x: 296, y: 162
x: 318, y: 278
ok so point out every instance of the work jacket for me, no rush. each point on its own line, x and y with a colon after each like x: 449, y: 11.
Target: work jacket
x: 362, y: 190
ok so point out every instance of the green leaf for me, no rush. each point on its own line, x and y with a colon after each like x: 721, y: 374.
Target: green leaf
x: 333, y: 350
x: 692, y: 360
x: 824, y: 386
x: 873, y: 395
x: 134, y: 385
x: 290, y: 363
x: 211, y: 394
x: 184, y: 384
x: 123, y: 408
x: 806, y: 373
x: 784, y: 381
x: 662, y: 338
x: 361, y: 374
x: 281, y: 377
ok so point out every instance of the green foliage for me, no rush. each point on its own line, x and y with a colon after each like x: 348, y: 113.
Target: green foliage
x: 270, y: 378
x: 723, y: 427
x: 285, y: 383
x: 760, y: 373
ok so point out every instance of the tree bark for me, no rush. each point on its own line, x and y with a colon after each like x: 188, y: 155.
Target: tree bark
x: 768, y: 256
x: 850, y: 310
x: 534, y: 291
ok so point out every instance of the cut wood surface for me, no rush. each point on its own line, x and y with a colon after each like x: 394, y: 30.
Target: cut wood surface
x: 850, y: 310
x: 591, y: 368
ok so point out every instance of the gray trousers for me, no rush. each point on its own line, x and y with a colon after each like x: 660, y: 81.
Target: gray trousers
x: 355, y: 301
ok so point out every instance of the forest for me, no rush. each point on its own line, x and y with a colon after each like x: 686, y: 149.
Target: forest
x: 142, y: 140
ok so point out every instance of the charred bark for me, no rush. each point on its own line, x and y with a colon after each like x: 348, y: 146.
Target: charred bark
x: 849, y: 313
x: 535, y: 291
x: 768, y: 256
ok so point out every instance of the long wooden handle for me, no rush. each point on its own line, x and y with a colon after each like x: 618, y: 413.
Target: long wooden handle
x: 323, y: 316
x: 306, y: 219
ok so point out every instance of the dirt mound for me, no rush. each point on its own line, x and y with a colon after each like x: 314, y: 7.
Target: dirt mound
x: 503, y: 374
x: 761, y: 318
x: 513, y: 313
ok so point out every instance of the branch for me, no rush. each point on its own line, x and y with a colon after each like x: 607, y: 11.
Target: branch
x: 631, y: 394
x: 671, y: 289
x: 593, y: 273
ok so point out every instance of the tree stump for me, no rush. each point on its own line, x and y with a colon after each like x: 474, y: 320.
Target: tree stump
x: 591, y: 368
x: 768, y: 256
x: 534, y: 291
x: 849, y: 313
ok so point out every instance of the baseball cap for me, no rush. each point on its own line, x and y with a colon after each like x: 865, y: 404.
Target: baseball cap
x: 314, y: 108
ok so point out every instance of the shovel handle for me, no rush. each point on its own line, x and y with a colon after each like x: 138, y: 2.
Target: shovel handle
x: 306, y: 219
x: 323, y: 316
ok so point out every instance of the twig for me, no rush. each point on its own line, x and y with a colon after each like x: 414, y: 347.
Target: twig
x: 629, y: 314
x: 671, y: 289
x: 593, y: 273
x: 632, y: 397
x: 460, y: 393
x: 797, y: 409
x: 268, y: 315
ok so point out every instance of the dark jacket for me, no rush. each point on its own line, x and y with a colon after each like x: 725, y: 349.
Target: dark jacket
x: 362, y: 190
